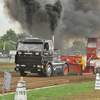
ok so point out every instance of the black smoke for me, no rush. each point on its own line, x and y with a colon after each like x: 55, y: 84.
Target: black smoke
x: 29, y: 9
x: 73, y: 19
x: 54, y: 14
x: 28, y: 13
x: 81, y: 18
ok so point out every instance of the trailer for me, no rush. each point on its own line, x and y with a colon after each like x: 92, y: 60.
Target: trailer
x: 85, y: 64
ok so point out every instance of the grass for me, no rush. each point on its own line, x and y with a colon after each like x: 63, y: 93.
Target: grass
x: 6, y: 67
x: 7, y: 62
x: 64, y: 92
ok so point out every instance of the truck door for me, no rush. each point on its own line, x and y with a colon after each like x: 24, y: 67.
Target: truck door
x: 48, y: 54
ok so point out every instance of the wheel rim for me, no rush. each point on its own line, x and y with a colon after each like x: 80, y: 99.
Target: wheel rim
x: 65, y: 70
x: 49, y: 70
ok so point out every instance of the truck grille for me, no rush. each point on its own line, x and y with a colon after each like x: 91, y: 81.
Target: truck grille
x: 29, y: 61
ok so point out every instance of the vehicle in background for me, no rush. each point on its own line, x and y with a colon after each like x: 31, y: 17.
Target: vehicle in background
x: 85, y: 64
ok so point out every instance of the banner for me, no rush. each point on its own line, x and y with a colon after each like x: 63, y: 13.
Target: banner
x: 7, y: 81
x: 4, y: 45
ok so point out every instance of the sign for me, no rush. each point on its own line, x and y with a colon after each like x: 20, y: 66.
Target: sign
x: 7, y: 81
x: 4, y: 46
x: 12, y: 52
x: 21, y: 91
x: 97, y: 83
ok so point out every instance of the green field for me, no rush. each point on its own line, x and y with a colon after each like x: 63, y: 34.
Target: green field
x: 64, y: 92
x: 7, y: 62
x: 6, y: 67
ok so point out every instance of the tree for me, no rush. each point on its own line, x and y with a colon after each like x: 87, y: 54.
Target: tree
x: 10, y: 36
x: 10, y: 39
x: 8, y: 46
x: 22, y: 35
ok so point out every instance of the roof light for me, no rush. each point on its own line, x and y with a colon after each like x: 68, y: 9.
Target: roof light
x: 19, y: 52
x: 37, y: 53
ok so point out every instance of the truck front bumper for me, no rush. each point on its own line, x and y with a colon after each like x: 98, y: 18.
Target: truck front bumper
x: 31, y: 70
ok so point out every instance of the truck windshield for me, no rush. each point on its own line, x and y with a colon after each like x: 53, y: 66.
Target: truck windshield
x: 92, y: 45
x: 29, y: 47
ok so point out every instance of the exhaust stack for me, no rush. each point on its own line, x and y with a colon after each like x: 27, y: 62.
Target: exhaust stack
x: 53, y: 46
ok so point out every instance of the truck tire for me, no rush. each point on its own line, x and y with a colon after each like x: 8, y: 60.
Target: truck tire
x: 98, y: 70
x: 81, y: 70
x: 22, y: 73
x: 48, y: 70
x: 95, y: 70
x: 65, y: 70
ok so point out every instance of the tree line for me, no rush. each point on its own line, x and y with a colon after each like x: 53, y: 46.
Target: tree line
x: 8, y: 41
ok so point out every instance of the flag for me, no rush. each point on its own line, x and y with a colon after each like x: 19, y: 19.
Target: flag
x: 4, y: 45
x: 7, y: 81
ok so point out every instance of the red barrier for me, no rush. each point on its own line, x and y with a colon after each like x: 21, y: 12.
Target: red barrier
x: 75, y: 69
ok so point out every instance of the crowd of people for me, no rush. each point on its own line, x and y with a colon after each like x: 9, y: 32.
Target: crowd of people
x: 5, y: 56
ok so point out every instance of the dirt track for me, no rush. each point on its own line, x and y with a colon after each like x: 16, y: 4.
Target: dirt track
x: 6, y: 64
x: 36, y: 81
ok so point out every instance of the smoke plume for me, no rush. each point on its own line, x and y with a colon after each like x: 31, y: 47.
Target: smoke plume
x: 29, y: 10
x: 81, y: 18
x: 54, y: 12
x: 71, y: 20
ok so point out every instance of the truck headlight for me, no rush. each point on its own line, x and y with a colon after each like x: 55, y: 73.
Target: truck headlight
x: 19, y: 52
x: 23, y: 65
x: 39, y: 66
x: 17, y: 65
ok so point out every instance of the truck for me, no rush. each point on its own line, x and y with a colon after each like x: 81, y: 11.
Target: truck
x: 85, y: 64
x: 93, y: 55
x: 35, y: 55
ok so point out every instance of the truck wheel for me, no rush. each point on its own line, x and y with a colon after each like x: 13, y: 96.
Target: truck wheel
x: 81, y: 70
x: 65, y: 69
x: 48, y: 70
x: 22, y: 73
x: 98, y: 70
x: 95, y: 70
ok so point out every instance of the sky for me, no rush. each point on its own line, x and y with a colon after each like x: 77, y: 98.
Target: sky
x: 6, y: 23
